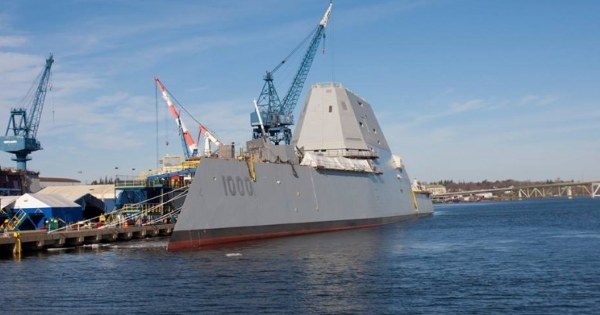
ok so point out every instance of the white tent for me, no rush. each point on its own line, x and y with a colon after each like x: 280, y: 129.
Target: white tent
x: 42, y: 207
x: 7, y: 201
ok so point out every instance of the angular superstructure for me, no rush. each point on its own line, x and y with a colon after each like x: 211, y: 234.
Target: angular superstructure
x: 337, y: 173
x: 336, y: 120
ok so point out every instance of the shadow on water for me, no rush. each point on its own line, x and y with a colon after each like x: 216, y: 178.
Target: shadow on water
x: 155, y: 242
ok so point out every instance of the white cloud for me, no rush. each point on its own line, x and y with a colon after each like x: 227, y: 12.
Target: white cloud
x: 466, y: 106
x: 69, y: 83
x: 12, y: 64
x: 12, y: 41
x: 18, y: 72
x: 537, y: 100
x: 374, y: 11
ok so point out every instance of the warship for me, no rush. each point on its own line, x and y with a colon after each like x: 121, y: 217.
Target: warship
x: 337, y: 173
x: 334, y: 172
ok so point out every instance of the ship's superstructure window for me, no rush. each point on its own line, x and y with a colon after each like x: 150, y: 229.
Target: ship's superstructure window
x: 330, y: 108
x: 360, y: 123
x: 360, y: 104
x: 374, y: 131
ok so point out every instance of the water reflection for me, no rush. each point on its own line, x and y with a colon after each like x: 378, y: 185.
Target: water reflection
x: 504, y: 256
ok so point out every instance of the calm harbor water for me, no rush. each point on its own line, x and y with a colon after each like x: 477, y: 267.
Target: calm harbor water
x: 526, y: 257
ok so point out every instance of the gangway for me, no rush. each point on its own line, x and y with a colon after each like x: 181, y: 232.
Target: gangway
x: 143, y: 214
x: 21, y: 217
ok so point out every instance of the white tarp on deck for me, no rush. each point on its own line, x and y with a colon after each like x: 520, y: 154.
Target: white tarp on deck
x: 336, y: 163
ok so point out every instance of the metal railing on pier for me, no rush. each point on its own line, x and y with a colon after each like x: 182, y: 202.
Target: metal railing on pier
x: 141, y: 213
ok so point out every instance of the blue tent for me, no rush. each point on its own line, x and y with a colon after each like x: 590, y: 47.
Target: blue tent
x: 42, y: 207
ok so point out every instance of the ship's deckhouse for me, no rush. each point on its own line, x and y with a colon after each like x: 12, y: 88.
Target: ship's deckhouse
x: 337, y: 122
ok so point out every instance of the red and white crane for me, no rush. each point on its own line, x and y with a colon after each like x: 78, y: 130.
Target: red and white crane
x: 190, y: 148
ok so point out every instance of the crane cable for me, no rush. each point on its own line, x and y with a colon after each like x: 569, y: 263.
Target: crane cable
x: 332, y: 48
x: 157, y: 126
x: 182, y: 107
x: 189, y: 114
x: 296, y: 49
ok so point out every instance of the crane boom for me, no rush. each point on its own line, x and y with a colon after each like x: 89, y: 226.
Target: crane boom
x: 291, y: 98
x: 190, y: 148
x: 37, y: 105
x: 277, y: 115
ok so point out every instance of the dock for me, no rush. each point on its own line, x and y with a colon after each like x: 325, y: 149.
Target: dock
x: 28, y: 241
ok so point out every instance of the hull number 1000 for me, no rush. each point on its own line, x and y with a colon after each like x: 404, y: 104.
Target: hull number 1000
x: 237, y: 186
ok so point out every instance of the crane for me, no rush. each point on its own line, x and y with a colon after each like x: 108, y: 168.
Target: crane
x: 190, y: 148
x: 209, y: 137
x: 275, y: 115
x: 20, y: 137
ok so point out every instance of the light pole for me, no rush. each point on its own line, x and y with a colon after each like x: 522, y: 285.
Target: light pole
x: 115, y: 186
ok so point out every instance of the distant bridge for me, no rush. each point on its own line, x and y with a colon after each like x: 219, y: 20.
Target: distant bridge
x: 566, y: 189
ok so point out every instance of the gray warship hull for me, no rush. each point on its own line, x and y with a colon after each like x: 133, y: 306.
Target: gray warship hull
x: 225, y: 205
x: 338, y: 173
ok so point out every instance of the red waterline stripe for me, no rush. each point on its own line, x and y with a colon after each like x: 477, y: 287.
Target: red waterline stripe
x: 185, y: 240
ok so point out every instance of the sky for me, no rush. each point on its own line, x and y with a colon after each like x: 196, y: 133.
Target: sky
x: 464, y: 90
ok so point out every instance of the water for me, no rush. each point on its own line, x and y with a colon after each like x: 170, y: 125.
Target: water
x: 527, y: 257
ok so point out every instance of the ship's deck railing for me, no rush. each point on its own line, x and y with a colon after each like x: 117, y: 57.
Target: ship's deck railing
x: 120, y: 183
x: 144, y: 207
x: 180, y: 167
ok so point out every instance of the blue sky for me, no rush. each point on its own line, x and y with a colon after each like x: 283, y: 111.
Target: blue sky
x: 463, y: 89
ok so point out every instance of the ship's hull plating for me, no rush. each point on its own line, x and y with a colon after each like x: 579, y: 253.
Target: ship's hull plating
x: 181, y: 240
x: 224, y: 205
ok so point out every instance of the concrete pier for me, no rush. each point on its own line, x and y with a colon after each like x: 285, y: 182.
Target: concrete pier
x: 39, y: 240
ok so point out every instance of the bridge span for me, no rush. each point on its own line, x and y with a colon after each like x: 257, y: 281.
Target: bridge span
x: 564, y: 189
